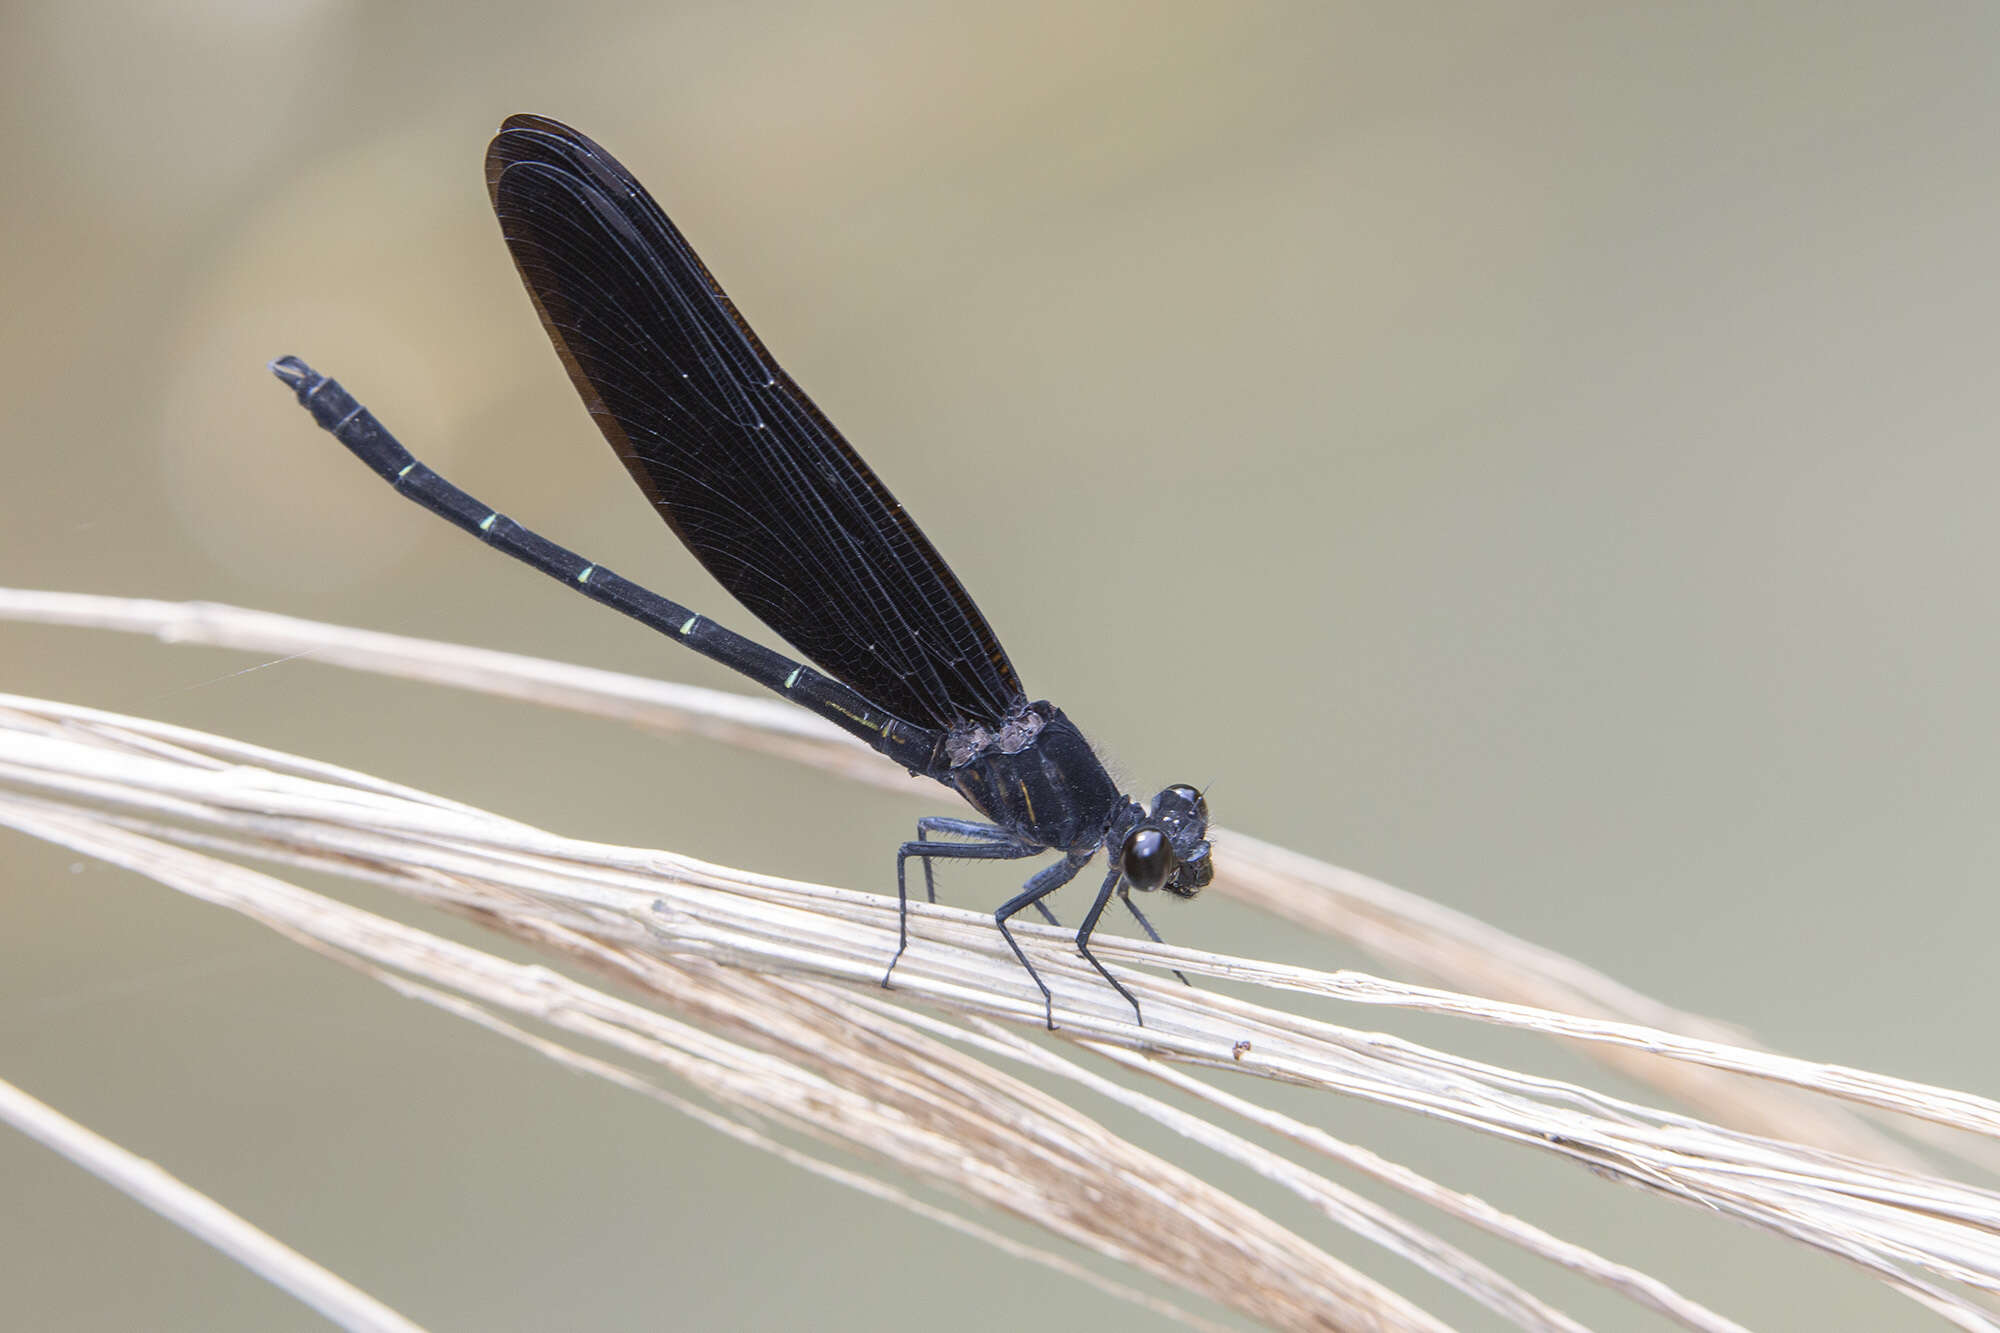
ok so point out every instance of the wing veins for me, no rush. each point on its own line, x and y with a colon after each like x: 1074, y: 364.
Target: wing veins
x: 741, y: 463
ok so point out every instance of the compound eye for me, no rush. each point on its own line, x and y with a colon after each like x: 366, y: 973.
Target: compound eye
x: 1183, y: 798
x: 1148, y: 858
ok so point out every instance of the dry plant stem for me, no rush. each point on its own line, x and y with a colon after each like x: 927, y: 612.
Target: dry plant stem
x: 751, y: 1137
x: 381, y: 820
x: 1884, y: 1092
x: 746, y: 721
x: 651, y: 917
x: 201, y: 1216
x: 1389, y: 923
x: 1339, y: 1205
x: 969, y: 1077
x: 1639, y: 1286
x: 1408, y: 931
x: 1361, y: 1216
x: 1979, y: 1114
x: 998, y: 1140
x: 1114, y: 1187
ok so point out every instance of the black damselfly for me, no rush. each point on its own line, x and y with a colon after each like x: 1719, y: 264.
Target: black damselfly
x: 777, y: 506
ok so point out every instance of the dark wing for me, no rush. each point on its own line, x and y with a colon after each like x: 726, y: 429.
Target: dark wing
x: 743, y: 467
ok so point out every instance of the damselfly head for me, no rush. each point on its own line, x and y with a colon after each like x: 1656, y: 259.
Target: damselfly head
x: 1169, y: 848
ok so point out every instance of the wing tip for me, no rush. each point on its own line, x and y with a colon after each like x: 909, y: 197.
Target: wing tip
x: 527, y: 137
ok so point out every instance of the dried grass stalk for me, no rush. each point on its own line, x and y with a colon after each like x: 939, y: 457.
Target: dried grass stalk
x: 787, y: 1024
x: 200, y: 1216
x: 1400, y: 928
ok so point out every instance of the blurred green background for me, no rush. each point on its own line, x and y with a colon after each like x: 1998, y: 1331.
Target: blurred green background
x: 1541, y: 455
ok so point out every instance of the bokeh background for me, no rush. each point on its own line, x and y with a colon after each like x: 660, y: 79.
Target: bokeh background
x: 1542, y: 455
